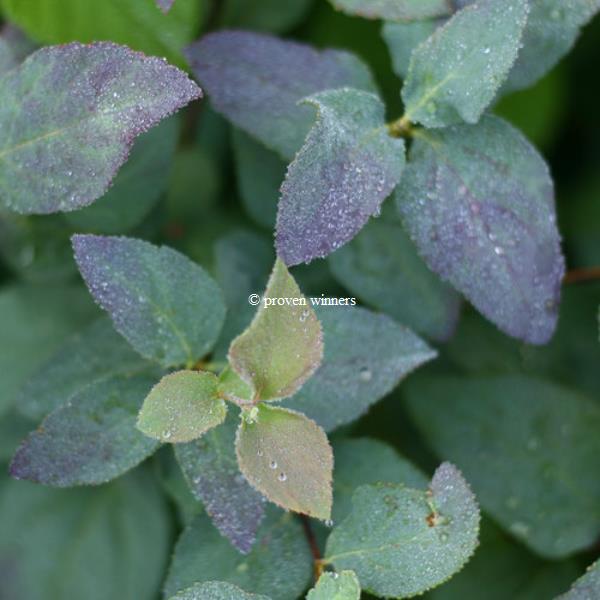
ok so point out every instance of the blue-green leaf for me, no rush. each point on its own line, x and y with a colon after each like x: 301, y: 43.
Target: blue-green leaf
x: 586, y: 587
x: 394, y: 10
x: 336, y: 586
x: 216, y: 590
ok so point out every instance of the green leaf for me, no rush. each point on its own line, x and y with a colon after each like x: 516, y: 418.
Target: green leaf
x: 260, y: 173
x: 336, y: 586
x: 382, y: 267
x: 552, y: 29
x: 266, y: 15
x: 362, y: 461
x: 94, y: 353
x: 216, y: 590
x: 122, y: 529
x: 62, y: 150
x: 394, y: 10
x: 535, y: 482
x: 211, y: 470
x: 279, y: 565
x: 366, y: 356
x: 586, y: 587
x: 505, y: 569
x: 33, y: 330
x: 349, y: 163
x: 90, y: 440
x: 137, y: 187
x: 455, y: 74
x: 136, y: 23
x: 283, y: 345
x: 181, y: 407
x: 401, y: 40
x: 479, y: 203
x: 287, y: 458
x: 402, y: 542
x: 165, y: 305
x: 257, y: 80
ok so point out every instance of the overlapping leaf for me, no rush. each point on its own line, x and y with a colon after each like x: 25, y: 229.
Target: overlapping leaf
x: 61, y: 152
x: 336, y: 586
x: 91, y: 439
x: 402, y: 542
x: 347, y: 167
x: 366, y: 355
x: 586, y: 587
x: 165, y: 305
x: 287, y: 457
x: 279, y: 565
x: 394, y: 10
x: 216, y: 590
x: 283, y: 345
x: 256, y: 81
x: 535, y: 481
x: 382, y: 267
x: 478, y: 201
x: 211, y: 470
x: 455, y: 74
x: 181, y: 407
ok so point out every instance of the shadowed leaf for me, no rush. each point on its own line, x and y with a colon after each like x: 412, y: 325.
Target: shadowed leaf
x: 90, y: 440
x: 216, y: 590
x: 336, y: 586
x: 211, y: 470
x: 181, y: 407
x: 347, y: 167
x: 394, y: 10
x: 283, y: 345
x: 366, y: 355
x: 256, y: 81
x: 287, y: 457
x: 165, y: 305
x: 455, y: 74
x: 478, y: 201
x: 402, y: 542
x: 61, y: 152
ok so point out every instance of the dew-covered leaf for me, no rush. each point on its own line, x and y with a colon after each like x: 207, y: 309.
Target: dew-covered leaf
x: 257, y: 80
x: 382, y: 267
x: 401, y: 541
x: 32, y: 330
x: 122, y: 529
x: 91, y: 439
x: 181, y: 407
x: 362, y: 461
x: 586, y: 587
x: 455, y: 74
x: 94, y: 353
x: 536, y: 481
x: 211, y: 470
x: 165, y: 305
x: 279, y: 565
x: 287, y: 457
x: 137, y: 187
x: 260, y: 172
x: 134, y: 23
x: 336, y: 586
x: 165, y: 5
x: 552, y: 30
x: 479, y: 203
x: 365, y: 356
x: 283, y: 345
x: 61, y: 152
x: 394, y: 10
x: 216, y: 590
x: 347, y: 167
x: 402, y: 38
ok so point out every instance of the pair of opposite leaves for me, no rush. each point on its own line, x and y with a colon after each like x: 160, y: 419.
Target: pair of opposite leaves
x: 282, y: 453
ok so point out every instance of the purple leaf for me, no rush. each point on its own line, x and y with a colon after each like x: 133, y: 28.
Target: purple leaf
x: 257, y: 80
x: 478, y: 202
x: 345, y: 170
x: 70, y: 115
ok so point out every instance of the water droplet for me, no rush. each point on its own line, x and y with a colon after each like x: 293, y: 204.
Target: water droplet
x: 259, y: 452
x: 487, y: 50
x: 304, y: 316
x: 282, y: 476
x: 273, y: 464
x: 166, y: 434
x: 365, y: 374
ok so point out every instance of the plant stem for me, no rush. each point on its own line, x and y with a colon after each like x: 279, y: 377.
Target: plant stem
x: 314, y: 547
x: 582, y: 275
x: 401, y: 128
